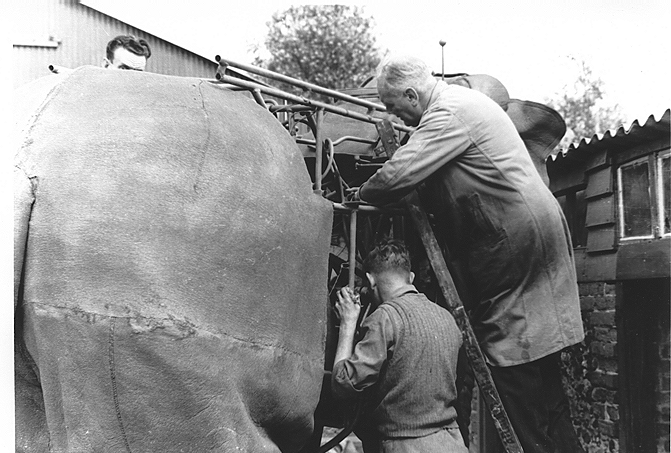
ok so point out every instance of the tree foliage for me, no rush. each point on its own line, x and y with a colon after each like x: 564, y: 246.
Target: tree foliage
x: 329, y: 45
x: 584, y: 109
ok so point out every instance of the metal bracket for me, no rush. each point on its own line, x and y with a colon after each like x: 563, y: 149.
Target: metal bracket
x: 388, y: 137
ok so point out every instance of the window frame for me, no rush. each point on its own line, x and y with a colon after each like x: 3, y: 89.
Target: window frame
x: 655, y: 192
x: 659, y: 183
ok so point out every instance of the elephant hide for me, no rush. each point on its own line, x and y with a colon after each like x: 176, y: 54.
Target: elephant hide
x: 170, y: 269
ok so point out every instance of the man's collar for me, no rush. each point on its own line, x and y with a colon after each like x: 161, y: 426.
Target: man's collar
x: 403, y: 290
x: 435, y: 91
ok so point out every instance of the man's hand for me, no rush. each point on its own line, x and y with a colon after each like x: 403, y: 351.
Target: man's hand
x: 352, y: 195
x: 347, y: 306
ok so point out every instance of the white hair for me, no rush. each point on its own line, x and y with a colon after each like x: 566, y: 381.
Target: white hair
x: 402, y: 71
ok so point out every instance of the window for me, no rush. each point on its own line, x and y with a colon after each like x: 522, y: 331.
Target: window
x: 645, y: 197
x: 664, y: 189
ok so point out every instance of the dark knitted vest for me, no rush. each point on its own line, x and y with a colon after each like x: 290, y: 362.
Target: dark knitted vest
x: 416, y: 391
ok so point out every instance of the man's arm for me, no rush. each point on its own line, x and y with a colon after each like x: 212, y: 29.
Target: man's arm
x: 347, y: 308
x: 439, y: 138
x: 358, y: 367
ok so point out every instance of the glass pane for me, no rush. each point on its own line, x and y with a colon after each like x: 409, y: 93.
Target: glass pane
x: 636, y: 200
x: 666, y: 192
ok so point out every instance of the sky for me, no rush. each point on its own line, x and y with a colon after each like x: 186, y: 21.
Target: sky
x: 532, y: 47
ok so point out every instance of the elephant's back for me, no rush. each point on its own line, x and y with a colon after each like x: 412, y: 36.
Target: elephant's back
x: 171, y: 198
x: 173, y: 280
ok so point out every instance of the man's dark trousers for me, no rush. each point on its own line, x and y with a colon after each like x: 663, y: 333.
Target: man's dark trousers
x: 535, y: 401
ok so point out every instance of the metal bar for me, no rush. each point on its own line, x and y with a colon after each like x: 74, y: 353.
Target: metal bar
x: 339, y: 207
x: 360, y: 165
x: 352, y: 248
x: 475, y: 357
x: 258, y: 98
x: 319, y: 145
x: 59, y: 69
x: 442, y: 59
x: 351, y: 138
x: 301, y: 83
x: 305, y: 101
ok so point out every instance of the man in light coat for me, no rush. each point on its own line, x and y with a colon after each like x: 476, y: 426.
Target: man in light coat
x: 506, y: 232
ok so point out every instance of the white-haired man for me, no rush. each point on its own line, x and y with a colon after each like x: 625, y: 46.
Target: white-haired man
x: 504, y: 229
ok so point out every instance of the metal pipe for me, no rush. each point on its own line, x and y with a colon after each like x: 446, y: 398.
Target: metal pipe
x: 352, y: 248
x: 59, y: 69
x: 442, y: 57
x: 351, y: 138
x: 301, y: 83
x: 360, y: 165
x: 319, y: 117
x: 258, y: 98
x: 340, y: 207
x: 305, y: 101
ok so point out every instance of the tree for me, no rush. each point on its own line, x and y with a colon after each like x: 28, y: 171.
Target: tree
x: 329, y: 45
x: 583, y: 108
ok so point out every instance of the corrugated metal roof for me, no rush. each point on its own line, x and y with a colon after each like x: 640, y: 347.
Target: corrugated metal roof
x: 652, y: 129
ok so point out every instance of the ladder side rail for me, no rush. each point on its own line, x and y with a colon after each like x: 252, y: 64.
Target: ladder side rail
x: 475, y: 356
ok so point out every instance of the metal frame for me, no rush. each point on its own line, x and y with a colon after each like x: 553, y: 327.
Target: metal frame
x: 314, y: 116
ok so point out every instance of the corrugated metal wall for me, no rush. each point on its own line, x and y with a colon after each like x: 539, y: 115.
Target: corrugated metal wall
x: 83, y: 34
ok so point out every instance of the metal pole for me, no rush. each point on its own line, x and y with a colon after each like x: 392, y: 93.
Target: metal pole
x: 442, y: 57
x: 305, y: 101
x: 339, y: 207
x: 352, y: 248
x: 259, y: 99
x: 318, y: 151
x: 300, y: 83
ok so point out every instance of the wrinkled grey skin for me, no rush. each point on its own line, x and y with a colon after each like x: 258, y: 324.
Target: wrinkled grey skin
x: 170, y: 269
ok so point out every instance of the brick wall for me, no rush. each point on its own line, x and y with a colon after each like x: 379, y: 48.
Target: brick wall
x: 594, y: 381
x: 591, y: 371
x: 662, y: 387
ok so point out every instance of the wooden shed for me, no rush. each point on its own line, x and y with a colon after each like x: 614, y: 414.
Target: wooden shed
x: 615, y: 192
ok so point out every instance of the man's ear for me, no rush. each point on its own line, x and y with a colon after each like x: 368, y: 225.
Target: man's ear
x: 106, y: 63
x: 412, y: 94
x: 371, y: 280
x: 412, y: 277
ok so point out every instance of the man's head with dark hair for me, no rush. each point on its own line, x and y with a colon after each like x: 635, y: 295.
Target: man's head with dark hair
x: 389, y: 255
x: 387, y: 268
x: 127, y: 52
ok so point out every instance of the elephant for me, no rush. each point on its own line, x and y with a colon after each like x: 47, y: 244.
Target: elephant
x: 170, y: 262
